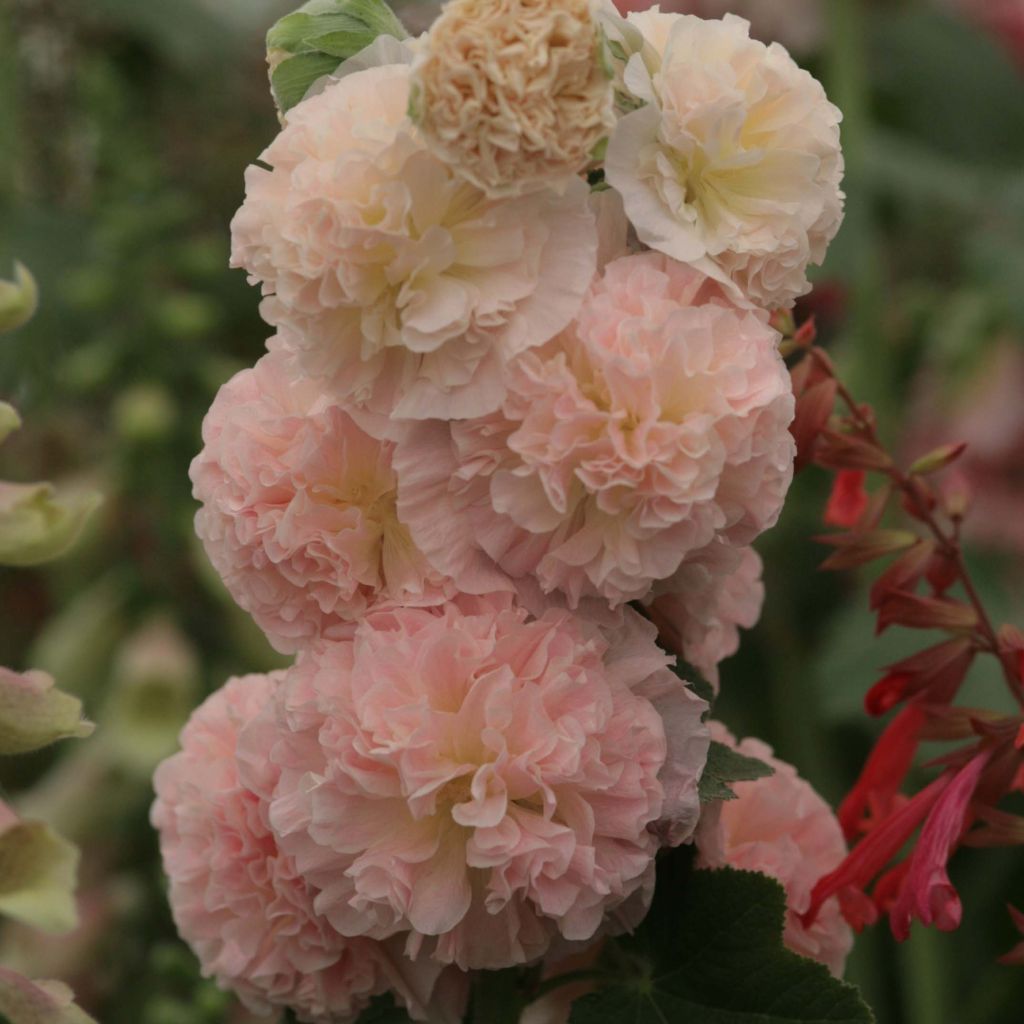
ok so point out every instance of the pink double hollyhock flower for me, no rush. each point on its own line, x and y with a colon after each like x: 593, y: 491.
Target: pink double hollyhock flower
x: 481, y: 782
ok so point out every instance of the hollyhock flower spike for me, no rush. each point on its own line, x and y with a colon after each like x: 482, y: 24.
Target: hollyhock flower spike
x: 733, y: 161
x: 781, y: 827
x: 238, y: 900
x: 299, y: 509
x: 654, y: 427
x: 485, y: 781
x: 400, y: 283
x: 512, y: 96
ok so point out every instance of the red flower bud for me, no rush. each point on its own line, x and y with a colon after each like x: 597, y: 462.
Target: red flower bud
x: 848, y: 500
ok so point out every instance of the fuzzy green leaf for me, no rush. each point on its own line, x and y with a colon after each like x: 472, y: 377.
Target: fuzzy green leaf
x: 711, y: 951
x: 726, y: 766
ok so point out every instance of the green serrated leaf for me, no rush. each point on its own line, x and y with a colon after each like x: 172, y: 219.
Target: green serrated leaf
x: 726, y: 766
x: 714, y: 954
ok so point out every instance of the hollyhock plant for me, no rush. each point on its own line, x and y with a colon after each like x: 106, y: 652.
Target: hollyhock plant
x: 732, y: 163
x: 485, y: 781
x: 781, y: 827
x: 299, y: 509
x: 390, y: 276
x: 506, y: 132
x: 238, y: 900
x: 656, y: 425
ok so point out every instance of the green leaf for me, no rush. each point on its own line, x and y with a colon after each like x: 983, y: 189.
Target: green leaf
x: 314, y: 40
x: 711, y: 952
x: 726, y: 766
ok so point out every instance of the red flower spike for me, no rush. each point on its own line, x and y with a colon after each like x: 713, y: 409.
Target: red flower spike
x: 927, y: 892
x: 887, y: 888
x: 876, y: 849
x: 905, y: 609
x: 858, y: 909
x: 1015, y: 958
x: 903, y: 574
x: 848, y: 500
x: 884, y: 771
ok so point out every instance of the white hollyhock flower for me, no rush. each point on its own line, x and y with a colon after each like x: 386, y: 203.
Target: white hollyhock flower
x: 733, y: 163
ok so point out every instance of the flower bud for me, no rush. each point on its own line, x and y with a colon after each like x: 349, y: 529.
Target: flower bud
x: 10, y: 421
x: 34, y: 713
x: 40, y: 869
x: 312, y: 41
x: 18, y: 299
x: 37, y: 525
x: 38, y: 1002
x: 938, y: 459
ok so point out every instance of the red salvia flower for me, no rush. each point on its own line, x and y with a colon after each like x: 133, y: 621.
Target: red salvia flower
x: 927, y: 893
x: 870, y: 856
x: 884, y: 771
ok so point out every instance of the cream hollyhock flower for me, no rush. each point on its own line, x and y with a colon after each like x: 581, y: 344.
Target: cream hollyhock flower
x: 656, y: 425
x: 391, y: 277
x: 781, y: 827
x: 513, y: 95
x: 734, y: 163
x: 299, y: 509
x: 487, y: 781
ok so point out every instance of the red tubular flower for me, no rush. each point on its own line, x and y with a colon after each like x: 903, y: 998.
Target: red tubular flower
x: 884, y: 771
x: 875, y: 850
x: 927, y: 893
x: 849, y: 500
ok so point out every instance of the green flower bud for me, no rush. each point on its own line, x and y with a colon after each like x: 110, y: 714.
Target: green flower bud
x: 38, y: 872
x: 10, y: 421
x: 34, y: 713
x: 37, y: 525
x: 38, y: 1002
x: 311, y: 42
x: 18, y: 299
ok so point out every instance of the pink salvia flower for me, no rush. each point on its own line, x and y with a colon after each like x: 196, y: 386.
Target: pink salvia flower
x: 927, y: 892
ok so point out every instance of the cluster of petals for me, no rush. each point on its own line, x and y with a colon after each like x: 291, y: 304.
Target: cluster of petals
x: 781, y: 827
x: 732, y: 162
x: 656, y: 425
x: 485, y: 781
x: 238, y: 900
x: 299, y: 509
x: 700, y: 609
x: 389, y: 275
x: 507, y: 131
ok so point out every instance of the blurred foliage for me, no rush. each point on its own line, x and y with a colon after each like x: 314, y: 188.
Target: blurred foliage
x: 125, y: 128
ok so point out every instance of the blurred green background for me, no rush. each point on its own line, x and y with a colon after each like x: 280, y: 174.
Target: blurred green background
x: 124, y: 130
